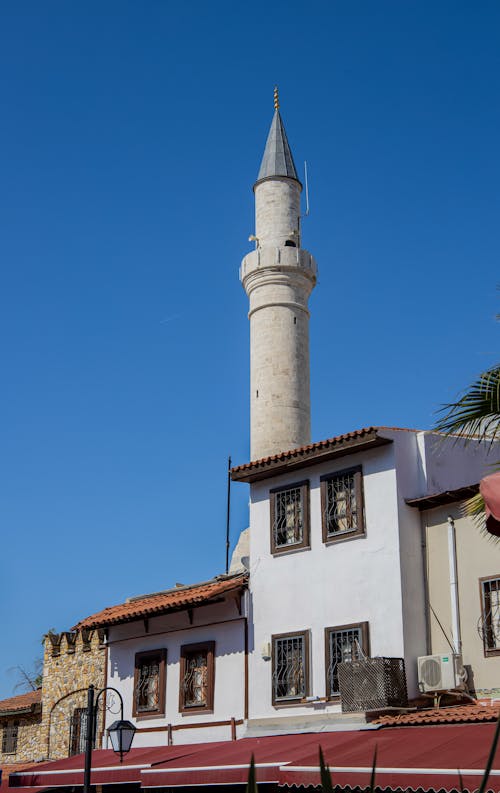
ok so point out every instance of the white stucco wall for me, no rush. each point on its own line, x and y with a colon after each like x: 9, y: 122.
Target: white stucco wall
x: 220, y: 623
x: 411, y: 473
x: 453, y: 463
x: 347, y: 582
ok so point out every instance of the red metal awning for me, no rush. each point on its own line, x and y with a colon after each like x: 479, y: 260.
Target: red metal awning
x: 408, y: 758
x: 424, y: 758
x: 228, y: 762
x: 106, y: 768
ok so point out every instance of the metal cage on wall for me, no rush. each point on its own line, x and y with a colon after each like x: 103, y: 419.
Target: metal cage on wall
x: 372, y: 684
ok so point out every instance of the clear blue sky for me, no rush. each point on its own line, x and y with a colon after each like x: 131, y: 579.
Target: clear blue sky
x: 131, y: 136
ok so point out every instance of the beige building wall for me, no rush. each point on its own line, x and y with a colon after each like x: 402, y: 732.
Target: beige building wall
x: 477, y: 557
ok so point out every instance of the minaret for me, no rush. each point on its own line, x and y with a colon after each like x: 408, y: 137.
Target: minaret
x: 278, y: 277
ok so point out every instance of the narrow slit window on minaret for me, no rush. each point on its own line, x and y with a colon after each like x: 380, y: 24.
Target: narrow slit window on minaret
x: 295, y: 320
x: 257, y: 393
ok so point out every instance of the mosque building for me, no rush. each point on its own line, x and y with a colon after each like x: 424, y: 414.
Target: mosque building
x: 357, y: 569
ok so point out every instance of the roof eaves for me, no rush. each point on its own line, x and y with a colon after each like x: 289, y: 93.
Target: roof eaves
x: 34, y: 708
x: 183, y: 587
x: 312, y: 454
x: 445, y: 497
x: 144, y: 609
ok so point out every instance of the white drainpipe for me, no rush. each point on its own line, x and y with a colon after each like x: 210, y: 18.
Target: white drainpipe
x: 455, y: 608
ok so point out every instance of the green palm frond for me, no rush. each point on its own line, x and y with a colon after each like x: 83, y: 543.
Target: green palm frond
x: 475, y: 508
x: 374, y: 768
x: 491, y: 758
x: 324, y: 771
x: 326, y: 776
x: 477, y: 412
x: 252, y: 780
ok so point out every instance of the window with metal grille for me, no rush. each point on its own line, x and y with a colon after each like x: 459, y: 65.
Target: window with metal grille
x: 343, y: 643
x: 149, y: 683
x: 290, y: 517
x: 78, y: 731
x: 290, y: 667
x: 342, y: 504
x: 9, y: 737
x: 197, y: 677
x: 490, y: 615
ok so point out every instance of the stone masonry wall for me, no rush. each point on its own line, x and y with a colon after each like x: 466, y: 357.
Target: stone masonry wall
x: 28, y: 738
x: 72, y: 661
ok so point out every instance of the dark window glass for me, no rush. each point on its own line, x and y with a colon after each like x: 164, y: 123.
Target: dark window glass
x: 197, y: 677
x: 9, y: 737
x: 345, y: 643
x: 149, y: 683
x: 290, y: 667
x: 490, y: 614
x: 342, y: 504
x: 290, y: 517
x: 78, y: 731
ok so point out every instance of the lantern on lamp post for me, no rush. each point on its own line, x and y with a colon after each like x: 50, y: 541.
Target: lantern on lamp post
x: 121, y: 732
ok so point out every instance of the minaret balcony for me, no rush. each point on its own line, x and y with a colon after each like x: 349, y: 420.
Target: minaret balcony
x: 279, y: 259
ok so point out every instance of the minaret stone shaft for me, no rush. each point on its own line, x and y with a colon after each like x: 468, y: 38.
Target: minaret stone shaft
x: 278, y: 277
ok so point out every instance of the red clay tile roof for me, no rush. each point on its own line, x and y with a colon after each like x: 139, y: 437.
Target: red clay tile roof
x: 163, y: 602
x: 21, y: 702
x: 311, y: 447
x: 452, y: 715
x: 341, y: 444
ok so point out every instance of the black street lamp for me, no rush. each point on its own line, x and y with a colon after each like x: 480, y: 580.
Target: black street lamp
x: 121, y: 732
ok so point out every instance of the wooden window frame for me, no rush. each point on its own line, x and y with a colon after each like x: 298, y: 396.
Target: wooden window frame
x: 489, y: 652
x: 10, y: 732
x: 304, y: 544
x: 360, y: 530
x: 186, y: 649
x: 160, y: 653
x: 292, y: 701
x: 364, y: 628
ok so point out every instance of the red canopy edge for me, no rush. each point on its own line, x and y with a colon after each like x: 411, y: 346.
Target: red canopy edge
x: 106, y: 768
x: 4, y: 787
x: 227, y: 763
x: 386, y: 779
x: 214, y: 775
x: 423, y: 758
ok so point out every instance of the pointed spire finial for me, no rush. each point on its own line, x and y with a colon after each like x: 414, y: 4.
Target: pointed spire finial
x: 277, y: 159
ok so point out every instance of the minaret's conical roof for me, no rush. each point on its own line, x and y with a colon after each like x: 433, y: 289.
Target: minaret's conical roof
x: 277, y: 159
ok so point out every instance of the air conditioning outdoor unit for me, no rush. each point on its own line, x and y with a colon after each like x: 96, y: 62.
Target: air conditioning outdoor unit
x: 441, y: 672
